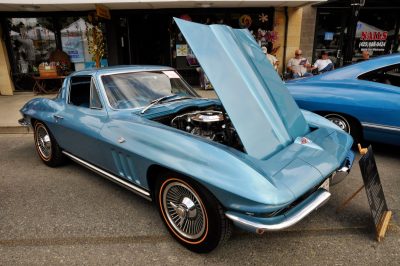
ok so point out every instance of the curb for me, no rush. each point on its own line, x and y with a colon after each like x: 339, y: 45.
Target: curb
x: 15, y: 130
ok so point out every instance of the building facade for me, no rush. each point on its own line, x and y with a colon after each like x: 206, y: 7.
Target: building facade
x: 134, y: 32
x: 346, y: 28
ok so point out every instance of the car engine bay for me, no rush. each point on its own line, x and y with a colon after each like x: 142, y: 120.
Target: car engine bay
x: 212, y: 123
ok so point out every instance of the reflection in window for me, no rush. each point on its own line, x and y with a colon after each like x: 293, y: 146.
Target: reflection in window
x: 74, y: 41
x: 32, y: 40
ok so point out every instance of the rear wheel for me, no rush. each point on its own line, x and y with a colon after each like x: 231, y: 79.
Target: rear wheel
x: 46, y: 146
x: 192, y: 214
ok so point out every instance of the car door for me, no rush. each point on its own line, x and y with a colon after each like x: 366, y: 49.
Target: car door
x: 78, y: 125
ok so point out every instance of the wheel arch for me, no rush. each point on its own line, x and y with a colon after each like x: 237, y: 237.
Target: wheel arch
x: 33, y: 121
x: 153, y: 172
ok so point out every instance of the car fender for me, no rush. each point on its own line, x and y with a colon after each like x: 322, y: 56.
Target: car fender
x: 227, y: 174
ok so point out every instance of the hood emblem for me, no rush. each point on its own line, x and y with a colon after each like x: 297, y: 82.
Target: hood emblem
x: 305, y: 140
x: 121, y: 140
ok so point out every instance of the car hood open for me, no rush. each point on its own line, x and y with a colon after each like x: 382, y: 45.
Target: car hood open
x: 263, y: 112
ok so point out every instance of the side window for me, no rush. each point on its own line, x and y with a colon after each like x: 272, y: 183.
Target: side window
x: 387, y: 75
x: 94, y: 97
x: 79, y: 91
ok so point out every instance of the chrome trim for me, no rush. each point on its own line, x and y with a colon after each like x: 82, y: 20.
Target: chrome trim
x: 339, y: 175
x: 140, y: 191
x: 92, y: 81
x: 377, y: 126
x: 347, y: 163
x: 289, y: 220
x: 23, y: 122
x: 184, y: 210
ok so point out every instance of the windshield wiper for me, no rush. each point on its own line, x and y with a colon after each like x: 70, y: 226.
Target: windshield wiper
x: 157, y: 101
x: 171, y: 97
x: 162, y: 99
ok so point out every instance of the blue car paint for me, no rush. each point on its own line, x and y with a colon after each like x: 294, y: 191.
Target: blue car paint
x: 221, y: 50
x: 370, y: 103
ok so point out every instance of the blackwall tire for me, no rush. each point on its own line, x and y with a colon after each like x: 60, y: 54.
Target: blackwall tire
x: 46, y: 146
x: 191, y: 214
x: 347, y: 124
x: 340, y: 121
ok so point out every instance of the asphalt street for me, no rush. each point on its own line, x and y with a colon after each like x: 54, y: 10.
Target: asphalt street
x: 69, y: 215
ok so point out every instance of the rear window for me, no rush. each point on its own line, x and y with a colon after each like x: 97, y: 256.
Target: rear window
x: 389, y: 75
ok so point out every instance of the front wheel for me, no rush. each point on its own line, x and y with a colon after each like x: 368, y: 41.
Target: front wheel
x: 340, y: 121
x: 46, y: 146
x: 347, y: 124
x: 192, y: 214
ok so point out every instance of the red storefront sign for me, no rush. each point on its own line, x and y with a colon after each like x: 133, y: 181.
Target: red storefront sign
x: 373, y: 40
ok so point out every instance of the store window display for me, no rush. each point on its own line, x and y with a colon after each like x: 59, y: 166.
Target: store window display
x: 33, y: 40
x: 38, y: 41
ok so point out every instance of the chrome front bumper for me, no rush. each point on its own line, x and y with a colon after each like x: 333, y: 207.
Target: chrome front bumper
x: 297, y: 213
x: 23, y: 122
x: 294, y: 215
x: 343, y: 170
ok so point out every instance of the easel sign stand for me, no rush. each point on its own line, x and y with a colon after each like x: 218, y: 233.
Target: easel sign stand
x: 373, y: 187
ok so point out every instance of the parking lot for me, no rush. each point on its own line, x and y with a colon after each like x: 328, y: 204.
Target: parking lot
x: 70, y: 215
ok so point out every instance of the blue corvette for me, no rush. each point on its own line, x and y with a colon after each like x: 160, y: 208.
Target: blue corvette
x: 363, y: 99
x: 252, y: 158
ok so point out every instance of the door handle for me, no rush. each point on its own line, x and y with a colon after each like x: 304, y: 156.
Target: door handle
x: 58, y: 117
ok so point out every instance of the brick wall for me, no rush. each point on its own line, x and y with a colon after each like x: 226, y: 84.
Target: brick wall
x: 308, y: 30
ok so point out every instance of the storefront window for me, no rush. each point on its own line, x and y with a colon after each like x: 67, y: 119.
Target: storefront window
x: 329, y: 35
x: 32, y: 41
x: 57, y: 41
x: 375, y: 33
x: 74, y: 42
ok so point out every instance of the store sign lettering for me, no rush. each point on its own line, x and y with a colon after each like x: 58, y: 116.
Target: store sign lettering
x: 373, y: 40
x: 374, y: 35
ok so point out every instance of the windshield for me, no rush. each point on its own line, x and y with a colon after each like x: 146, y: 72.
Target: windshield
x: 138, y: 89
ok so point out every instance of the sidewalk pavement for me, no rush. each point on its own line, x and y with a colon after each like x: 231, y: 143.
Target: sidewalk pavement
x: 9, y: 111
x: 10, y: 106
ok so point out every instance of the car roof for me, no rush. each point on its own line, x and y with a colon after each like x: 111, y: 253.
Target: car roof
x: 354, y: 70
x: 120, y: 68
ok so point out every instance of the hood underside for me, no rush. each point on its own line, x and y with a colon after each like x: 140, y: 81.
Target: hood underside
x: 263, y: 112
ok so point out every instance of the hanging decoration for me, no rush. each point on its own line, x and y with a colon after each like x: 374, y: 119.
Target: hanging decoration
x: 95, y: 40
x: 245, y: 21
x: 265, y: 36
x: 263, y: 18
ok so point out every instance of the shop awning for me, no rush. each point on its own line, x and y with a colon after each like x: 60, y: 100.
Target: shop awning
x: 82, y: 5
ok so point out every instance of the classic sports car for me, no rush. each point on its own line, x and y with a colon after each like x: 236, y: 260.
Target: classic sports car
x: 251, y: 158
x: 363, y: 99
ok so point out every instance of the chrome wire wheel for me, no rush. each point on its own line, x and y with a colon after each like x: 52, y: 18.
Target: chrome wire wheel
x: 43, y: 142
x: 340, y: 121
x: 184, y: 210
